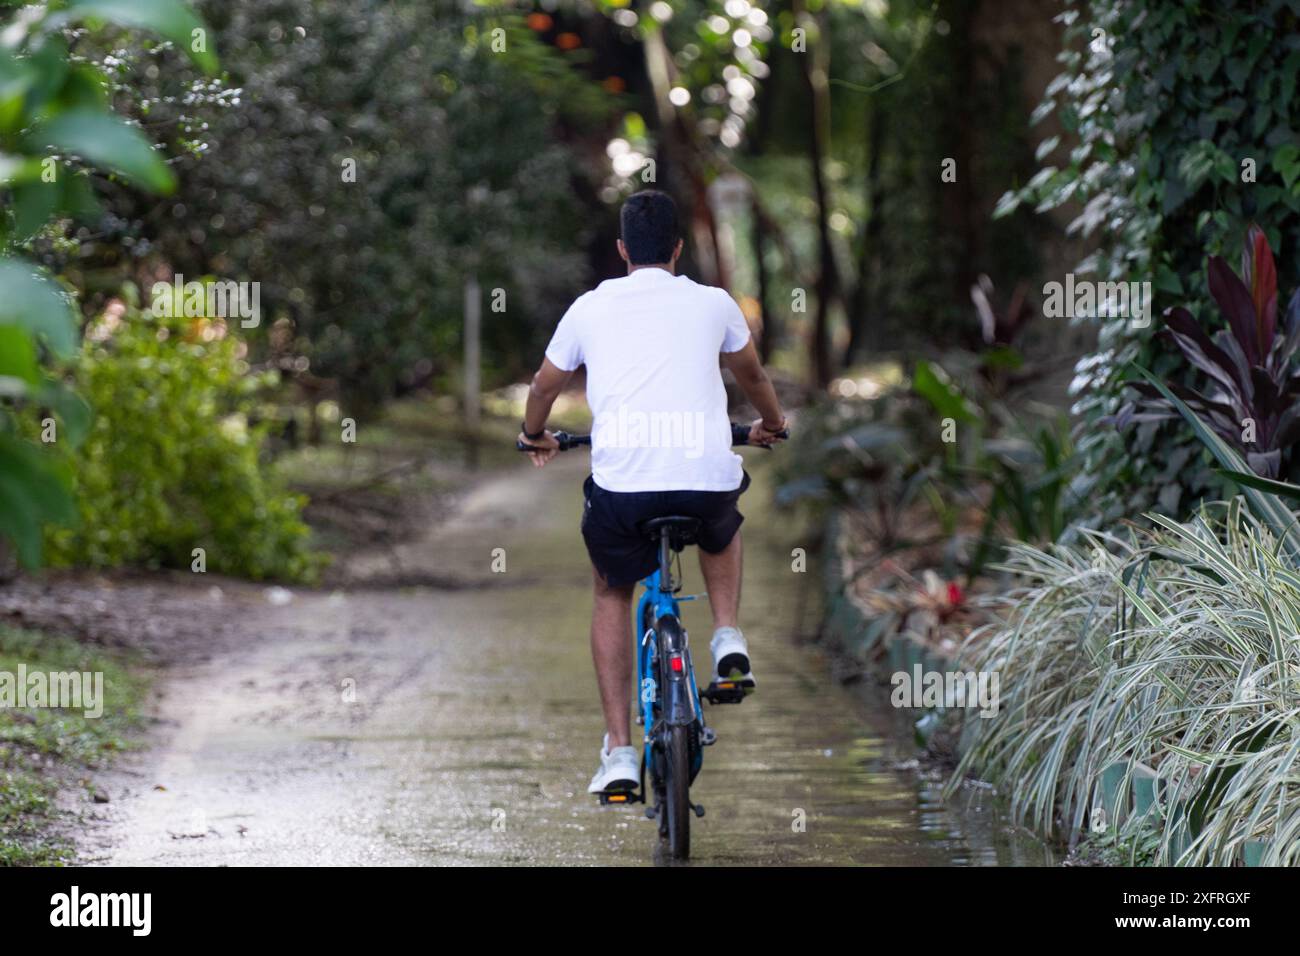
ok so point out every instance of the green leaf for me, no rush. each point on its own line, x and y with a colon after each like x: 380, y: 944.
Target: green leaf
x: 71, y: 409
x: 932, y: 384
x: 34, y: 203
x: 1283, y: 489
x: 1238, y: 70
x: 1168, y: 281
x: 84, y: 89
x: 109, y: 143
x: 34, y: 490
x: 18, y: 169
x: 634, y: 126
x: 36, y: 304
x: 1002, y: 357
x: 50, y: 68
x: 79, y: 198
x: 16, y: 78
x: 168, y: 18
x: 1286, y: 160
x: 1267, y: 507
x: 18, y: 355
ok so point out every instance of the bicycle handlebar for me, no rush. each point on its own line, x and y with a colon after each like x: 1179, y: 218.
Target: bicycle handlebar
x: 739, y: 436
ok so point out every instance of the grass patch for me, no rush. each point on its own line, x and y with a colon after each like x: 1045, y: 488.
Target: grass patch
x: 1114, y: 849
x: 44, y: 748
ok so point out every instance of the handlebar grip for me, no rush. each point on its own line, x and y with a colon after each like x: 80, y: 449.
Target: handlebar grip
x: 740, y: 434
x: 563, y: 439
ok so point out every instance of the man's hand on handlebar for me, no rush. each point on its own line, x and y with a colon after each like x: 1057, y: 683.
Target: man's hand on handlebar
x: 761, y: 435
x: 547, y: 447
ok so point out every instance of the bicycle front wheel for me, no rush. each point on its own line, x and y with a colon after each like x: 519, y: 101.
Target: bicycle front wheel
x: 677, y: 792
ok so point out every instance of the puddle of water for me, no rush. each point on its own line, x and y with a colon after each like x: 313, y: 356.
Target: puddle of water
x: 974, y: 828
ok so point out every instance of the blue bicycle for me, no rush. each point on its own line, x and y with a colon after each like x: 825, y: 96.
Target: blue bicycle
x: 668, y: 697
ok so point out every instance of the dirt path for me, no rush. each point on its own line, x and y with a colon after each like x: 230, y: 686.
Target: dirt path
x: 459, y: 723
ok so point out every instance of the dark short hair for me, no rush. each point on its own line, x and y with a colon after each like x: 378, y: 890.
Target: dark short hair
x: 649, y: 226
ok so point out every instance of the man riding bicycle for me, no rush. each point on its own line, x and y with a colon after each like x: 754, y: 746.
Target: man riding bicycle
x: 661, y: 445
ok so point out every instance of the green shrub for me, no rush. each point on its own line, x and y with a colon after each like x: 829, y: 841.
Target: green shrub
x: 171, y: 463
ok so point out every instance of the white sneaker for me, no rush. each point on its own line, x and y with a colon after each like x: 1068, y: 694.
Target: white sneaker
x: 620, y: 770
x: 731, y: 657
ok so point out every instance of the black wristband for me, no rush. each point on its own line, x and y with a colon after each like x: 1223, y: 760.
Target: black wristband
x: 531, y: 436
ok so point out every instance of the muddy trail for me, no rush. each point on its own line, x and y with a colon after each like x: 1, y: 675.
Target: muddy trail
x: 440, y: 712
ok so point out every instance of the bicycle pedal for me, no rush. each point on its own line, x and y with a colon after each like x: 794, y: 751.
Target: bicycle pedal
x: 725, y: 692
x: 619, y: 797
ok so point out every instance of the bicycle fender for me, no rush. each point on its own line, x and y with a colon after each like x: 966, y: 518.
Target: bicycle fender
x: 677, y: 696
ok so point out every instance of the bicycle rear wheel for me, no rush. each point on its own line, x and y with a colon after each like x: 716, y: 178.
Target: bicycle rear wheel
x: 677, y: 797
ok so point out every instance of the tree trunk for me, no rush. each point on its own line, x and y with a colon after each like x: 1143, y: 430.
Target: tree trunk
x: 815, y: 70
x: 864, y: 312
x: 767, y: 341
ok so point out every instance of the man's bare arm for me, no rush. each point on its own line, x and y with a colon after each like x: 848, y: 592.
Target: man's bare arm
x: 753, y: 381
x: 542, y: 393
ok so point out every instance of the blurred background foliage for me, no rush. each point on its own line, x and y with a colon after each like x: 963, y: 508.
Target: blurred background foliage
x: 883, y: 185
x: 362, y: 160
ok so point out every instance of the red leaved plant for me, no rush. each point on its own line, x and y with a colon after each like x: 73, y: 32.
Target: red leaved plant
x: 1252, y: 397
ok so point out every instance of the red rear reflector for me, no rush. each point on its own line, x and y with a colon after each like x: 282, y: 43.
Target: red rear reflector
x: 677, y: 665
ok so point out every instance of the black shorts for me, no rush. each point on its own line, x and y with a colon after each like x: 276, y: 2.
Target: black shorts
x: 622, y: 554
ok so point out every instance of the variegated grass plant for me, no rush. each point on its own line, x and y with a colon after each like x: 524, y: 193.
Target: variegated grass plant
x: 1176, y: 650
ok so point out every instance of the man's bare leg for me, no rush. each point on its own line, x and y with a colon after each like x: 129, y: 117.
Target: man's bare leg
x: 611, y: 650
x: 722, y: 580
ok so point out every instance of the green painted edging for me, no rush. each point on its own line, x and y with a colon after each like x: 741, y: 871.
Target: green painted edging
x: 897, y: 658
x: 1109, y: 785
x: 858, y: 635
x: 845, y: 619
x: 925, y: 726
x: 1145, y: 781
x: 849, y: 627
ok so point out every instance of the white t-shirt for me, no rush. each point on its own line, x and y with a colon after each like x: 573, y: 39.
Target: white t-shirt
x: 650, y: 341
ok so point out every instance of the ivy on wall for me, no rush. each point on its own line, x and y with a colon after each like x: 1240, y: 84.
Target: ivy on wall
x: 1181, y: 122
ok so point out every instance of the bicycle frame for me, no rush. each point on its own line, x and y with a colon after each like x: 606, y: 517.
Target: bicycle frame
x: 678, y: 701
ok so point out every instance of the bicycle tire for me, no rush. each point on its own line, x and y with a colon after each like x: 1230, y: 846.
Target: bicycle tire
x: 677, y: 798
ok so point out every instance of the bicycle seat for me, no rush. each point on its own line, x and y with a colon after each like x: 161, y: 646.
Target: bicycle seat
x: 682, y: 530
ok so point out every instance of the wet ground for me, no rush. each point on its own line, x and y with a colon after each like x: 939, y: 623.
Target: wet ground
x: 456, y: 722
